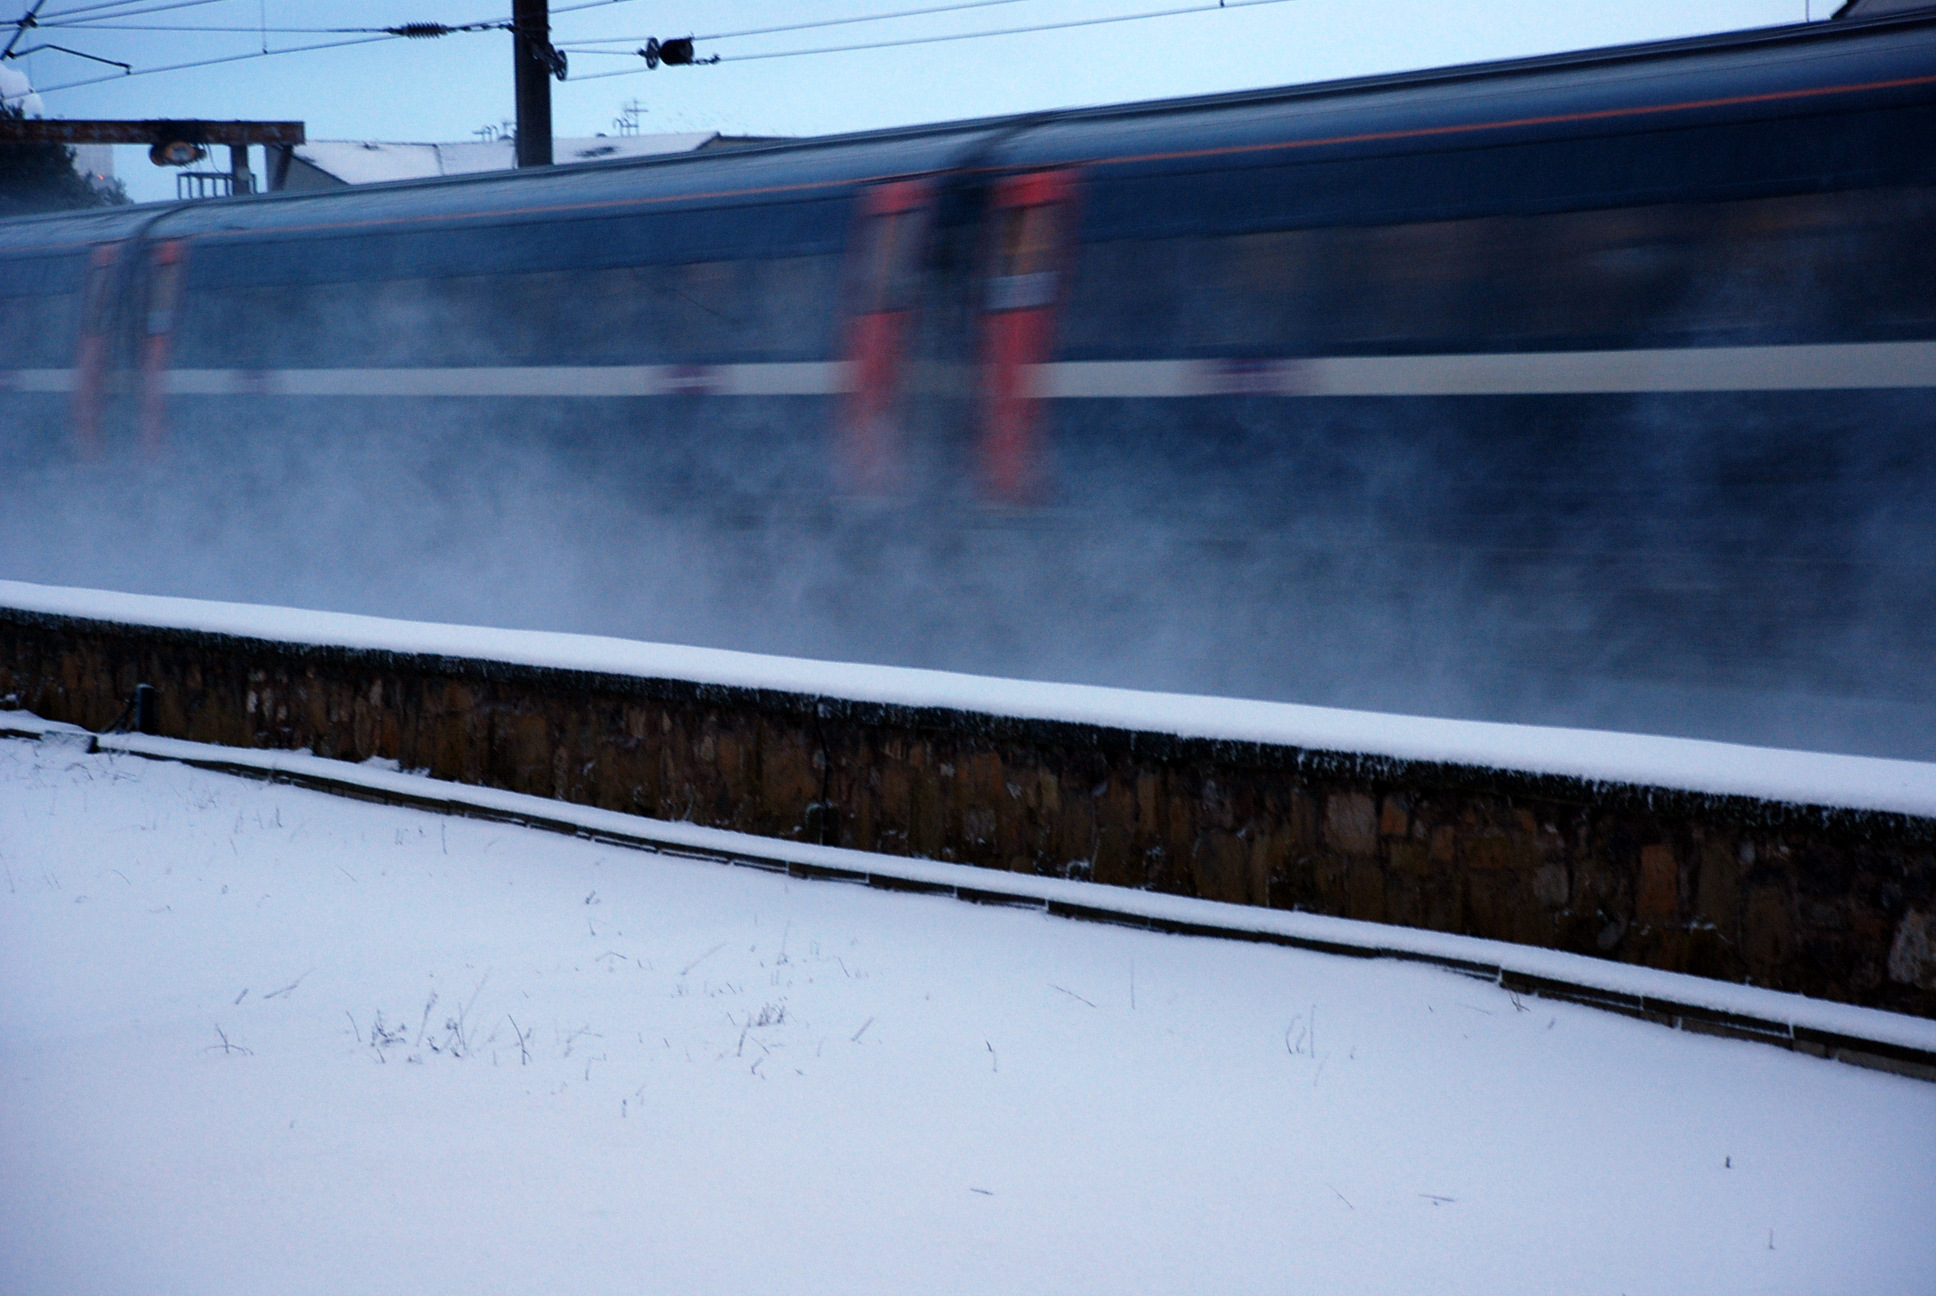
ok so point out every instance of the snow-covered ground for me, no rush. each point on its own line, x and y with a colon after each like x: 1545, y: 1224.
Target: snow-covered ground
x: 254, y: 1038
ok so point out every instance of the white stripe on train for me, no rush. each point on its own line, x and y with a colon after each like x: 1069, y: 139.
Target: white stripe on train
x: 1815, y: 367
x: 1832, y: 366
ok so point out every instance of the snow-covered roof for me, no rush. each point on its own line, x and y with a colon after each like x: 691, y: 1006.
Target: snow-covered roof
x: 370, y: 161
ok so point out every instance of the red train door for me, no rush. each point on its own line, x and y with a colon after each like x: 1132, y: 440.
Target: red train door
x: 165, y: 265
x: 890, y: 240
x: 93, y: 353
x: 1031, y: 225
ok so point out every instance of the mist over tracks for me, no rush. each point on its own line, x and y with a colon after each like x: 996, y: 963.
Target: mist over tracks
x: 1814, y: 643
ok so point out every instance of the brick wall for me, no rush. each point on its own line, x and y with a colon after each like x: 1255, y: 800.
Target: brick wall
x: 1834, y: 903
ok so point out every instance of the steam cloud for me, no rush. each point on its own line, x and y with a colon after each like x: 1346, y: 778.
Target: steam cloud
x: 1355, y: 601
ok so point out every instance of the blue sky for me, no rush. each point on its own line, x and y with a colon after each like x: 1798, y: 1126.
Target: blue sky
x: 446, y: 89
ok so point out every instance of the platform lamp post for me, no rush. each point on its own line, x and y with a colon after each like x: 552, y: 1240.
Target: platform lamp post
x: 535, y: 64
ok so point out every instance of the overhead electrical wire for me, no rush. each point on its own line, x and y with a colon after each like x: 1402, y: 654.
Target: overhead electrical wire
x: 584, y: 4
x: 956, y: 36
x: 371, y: 35
x: 211, y: 62
x: 112, y: 22
x: 135, y: 8
x: 402, y: 29
x: 361, y: 36
x: 253, y: 28
x: 823, y: 22
x: 129, y: 7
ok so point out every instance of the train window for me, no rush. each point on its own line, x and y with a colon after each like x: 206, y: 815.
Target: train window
x: 703, y: 307
x: 40, y: 301
x: 97, y: 303
x: 164, y: 288
x: 37, y: 331
x: 1025, y: 242
x: 703, y: 312
x: 244, y: 328
x: 890, y: 264
x: 1124, y: 295
x: 1026, y: 250
x: 785, y: 310
x: 1792, y: 268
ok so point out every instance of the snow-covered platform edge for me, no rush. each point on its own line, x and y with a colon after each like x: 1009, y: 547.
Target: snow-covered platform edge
x: 1865, y: 1036
x: 1813, y: 779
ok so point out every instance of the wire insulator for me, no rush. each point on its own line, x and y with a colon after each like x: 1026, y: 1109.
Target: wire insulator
x: 676, y: 52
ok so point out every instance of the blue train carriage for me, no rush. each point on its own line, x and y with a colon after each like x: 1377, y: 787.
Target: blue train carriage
x: 1558, y: 226
x: 1657, y: 319
x: 595, y: 304
x: 1654, y: 323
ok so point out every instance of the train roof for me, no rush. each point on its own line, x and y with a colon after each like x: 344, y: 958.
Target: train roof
x: 1757, y: 74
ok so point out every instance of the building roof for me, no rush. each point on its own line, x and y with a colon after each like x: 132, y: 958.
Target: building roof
x: 370, y: 161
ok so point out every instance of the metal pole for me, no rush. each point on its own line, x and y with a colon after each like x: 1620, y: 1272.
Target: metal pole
x: 241, y: 181
x: 531, y: 45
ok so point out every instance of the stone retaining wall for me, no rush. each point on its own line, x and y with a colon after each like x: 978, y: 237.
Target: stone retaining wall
x: 1838, y: 904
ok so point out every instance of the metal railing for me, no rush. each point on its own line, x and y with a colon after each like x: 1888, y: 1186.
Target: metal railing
x: 190, y: 185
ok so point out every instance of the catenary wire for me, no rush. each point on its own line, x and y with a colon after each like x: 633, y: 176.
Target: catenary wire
x: 106, y: 22
x: 231, y: 58
x: 957, y: 36
x: 132, y: 12
x: 823, y: 22
x: 252, y: 28
x: 111, y: 22
x: 384, y: 35
x: 363, y: 37
x: 55, y: 19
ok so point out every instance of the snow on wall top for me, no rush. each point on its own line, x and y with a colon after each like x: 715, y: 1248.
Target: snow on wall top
x: 1685, y: 764
x: 370, y: 161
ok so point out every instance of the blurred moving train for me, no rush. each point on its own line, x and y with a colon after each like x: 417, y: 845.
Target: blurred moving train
x: 1592, y: 388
